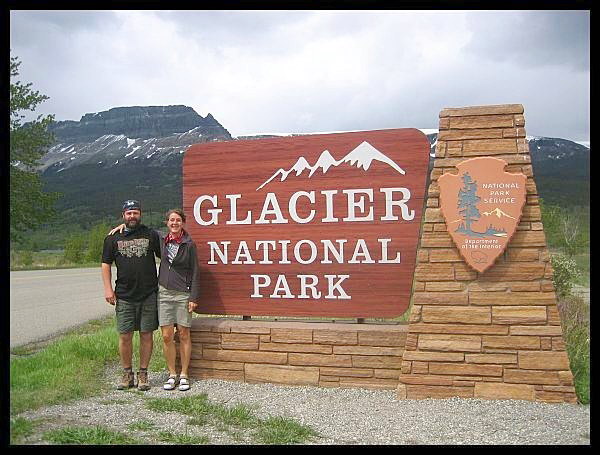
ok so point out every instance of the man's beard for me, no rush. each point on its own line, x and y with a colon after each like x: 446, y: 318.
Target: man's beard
x: 132, y: 224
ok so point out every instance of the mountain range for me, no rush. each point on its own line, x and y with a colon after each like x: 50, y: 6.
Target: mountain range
x: 136, y: 152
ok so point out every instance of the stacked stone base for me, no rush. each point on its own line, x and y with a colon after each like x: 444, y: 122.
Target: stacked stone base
x: 298, y: 353
x: 495, y: 334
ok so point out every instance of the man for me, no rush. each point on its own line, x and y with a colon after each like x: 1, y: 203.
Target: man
x: 134, y: 295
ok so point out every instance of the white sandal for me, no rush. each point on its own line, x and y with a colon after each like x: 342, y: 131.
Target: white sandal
x: 184, y: 383
x: 170, y: 383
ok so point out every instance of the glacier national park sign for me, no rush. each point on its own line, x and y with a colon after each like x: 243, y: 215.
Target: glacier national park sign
x: 316, y: 225
x: 482, y: 206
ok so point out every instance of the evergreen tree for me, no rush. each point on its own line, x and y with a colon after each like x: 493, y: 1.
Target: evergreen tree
x: 467, y: 200
x: 29, y: 204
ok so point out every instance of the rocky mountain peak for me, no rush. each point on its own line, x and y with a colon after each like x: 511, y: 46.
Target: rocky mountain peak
x: 137, y: 122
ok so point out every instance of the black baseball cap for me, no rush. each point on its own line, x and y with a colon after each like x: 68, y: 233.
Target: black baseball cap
x: 131, y: 204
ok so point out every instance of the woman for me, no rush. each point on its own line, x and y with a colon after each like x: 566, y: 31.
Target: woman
x: 178, y: 293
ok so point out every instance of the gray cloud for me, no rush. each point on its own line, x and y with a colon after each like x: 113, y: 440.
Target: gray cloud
x: 532, y: 38
x: 306, y: 71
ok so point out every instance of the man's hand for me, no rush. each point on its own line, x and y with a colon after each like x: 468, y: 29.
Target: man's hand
x: 109, y: 296
x: 118, y: 229
x: 192, y: 306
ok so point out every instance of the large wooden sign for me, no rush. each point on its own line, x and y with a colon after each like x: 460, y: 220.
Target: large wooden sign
x: 482, y: 206
x: 316, y: 225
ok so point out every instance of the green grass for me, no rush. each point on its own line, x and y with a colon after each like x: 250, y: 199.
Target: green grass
x: 575, y: 316
x: 182, y: 439
x: 279, y: 430
x: 20, y: 428
x: 142, y: 425
x: 72, y: 367
x: 96, y: 435
x: 273, y: 430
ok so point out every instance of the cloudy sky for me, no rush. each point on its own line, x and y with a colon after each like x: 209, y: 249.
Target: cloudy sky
x: 309, y: 71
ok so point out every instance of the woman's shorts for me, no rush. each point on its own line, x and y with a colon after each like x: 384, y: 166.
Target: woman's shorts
x: 139, y: 315
x: 173, y: 308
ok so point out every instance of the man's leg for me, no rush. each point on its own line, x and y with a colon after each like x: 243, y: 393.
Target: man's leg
x: 145, y: 349
x: 126, y: 348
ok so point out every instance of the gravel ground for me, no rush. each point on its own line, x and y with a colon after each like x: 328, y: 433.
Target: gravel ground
x: 341, y: 416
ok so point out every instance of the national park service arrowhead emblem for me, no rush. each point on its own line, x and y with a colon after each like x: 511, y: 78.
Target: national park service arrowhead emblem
x: 482, y: 206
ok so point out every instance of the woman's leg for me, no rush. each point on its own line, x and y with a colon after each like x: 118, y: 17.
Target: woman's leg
x: 169, y: 347
x: 185, y: 348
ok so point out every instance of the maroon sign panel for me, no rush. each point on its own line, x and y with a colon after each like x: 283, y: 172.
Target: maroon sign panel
x: 315, y: 225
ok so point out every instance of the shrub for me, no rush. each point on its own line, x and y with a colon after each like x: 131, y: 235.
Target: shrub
x: 565, y: 273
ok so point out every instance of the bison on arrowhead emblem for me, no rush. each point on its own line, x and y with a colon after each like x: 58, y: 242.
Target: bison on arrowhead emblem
x: 482, y: 206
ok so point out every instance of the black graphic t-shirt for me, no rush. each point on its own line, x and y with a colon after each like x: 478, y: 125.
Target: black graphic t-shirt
x: 133, y: 253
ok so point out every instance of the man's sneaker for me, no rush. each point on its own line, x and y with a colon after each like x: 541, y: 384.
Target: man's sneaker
x: 127, y: 381
x: 143, y: 380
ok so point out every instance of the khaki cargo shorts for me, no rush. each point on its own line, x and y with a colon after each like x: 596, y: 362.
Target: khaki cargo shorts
x: 139, y: 315
x: 173, y: 308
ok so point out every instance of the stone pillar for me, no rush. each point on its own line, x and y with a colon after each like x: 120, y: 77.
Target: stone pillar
x: 495, y: 334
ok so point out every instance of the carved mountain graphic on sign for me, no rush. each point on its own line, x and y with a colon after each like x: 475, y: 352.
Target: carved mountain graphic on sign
x: 497, y: 212
x: 361, y: 157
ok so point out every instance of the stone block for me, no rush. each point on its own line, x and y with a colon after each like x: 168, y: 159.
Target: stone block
x: 459, y: 135
x: 445, y: 255
x: 436, y: 240
x: 459, y: 329
x: 565, y: 377
x: 385, y: 373
x: 531, y: 213
x: 381, y: 338
x: 545, y: 343
x: 470, y: 369
x: 291, y: 335
x: 428, y: 356
x: 415, y: 314
x: 320, y: 360
x: 368, y: 350
x: 451, y: 314
x: 336, y: 337
x: 526, y: 286
x: 503, y: 391
x: 380, y: 361
x: 433, y: 215
x: 228, y: 375
x: 369, y: 383
x: 452, y: 343
x: 423, y: 256
x: 491, y: 109
x: 434, y: 272
x: 462, y: 272
x: 532, y: 376
x: 549, y: 397
x: 282, y: 374
x: 205, y: 337
x: 441, y: 286
x: 491, y: 358
x: 245, y: 356
x: 528, y: 239
x: 512, y: 298
x: 420, y: 368
x: 296, y: 347
x: 519, y: 314
x: 511, y: 342
x: 417, y: 392
x: 553, y: 315
x: 535, y: 330
x: 543, y: 360
x: 514, y: 271
x: 522, y: 254
x: 239, y: 341
x: 558, y: 344
x: 216, y: 365
x: 440, y: 298
x: 251, y: 329
x: 486, y: 147
x: 350, y: 372
x: 425, y: 379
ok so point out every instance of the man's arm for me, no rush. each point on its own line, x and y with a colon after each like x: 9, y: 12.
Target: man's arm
x: 109, y: 293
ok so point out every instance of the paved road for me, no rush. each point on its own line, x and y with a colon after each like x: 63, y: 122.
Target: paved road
x: 44, y: 303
